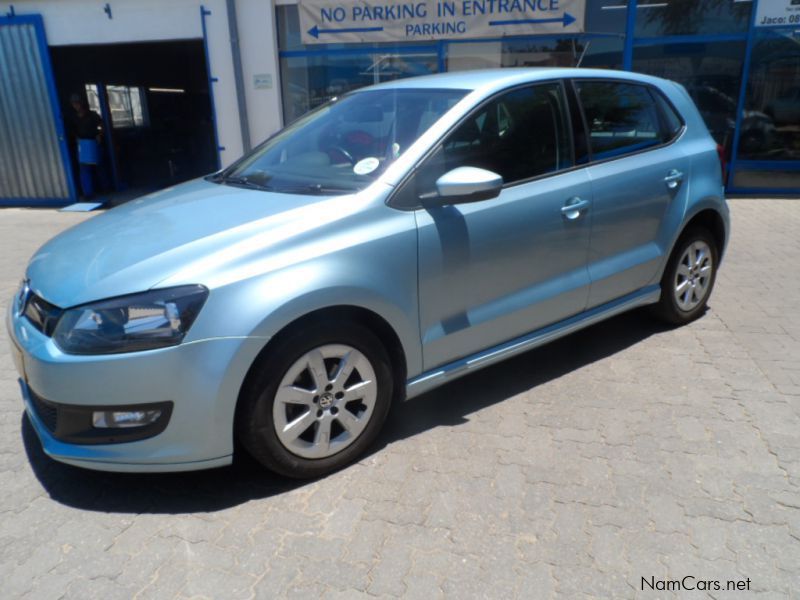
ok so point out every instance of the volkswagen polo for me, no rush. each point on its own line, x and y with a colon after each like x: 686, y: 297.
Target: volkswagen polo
x: 396, y: 238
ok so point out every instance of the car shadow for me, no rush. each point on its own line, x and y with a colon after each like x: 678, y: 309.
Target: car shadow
x: 218, y: 489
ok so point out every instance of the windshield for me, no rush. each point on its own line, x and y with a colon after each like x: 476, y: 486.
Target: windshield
x: 343, y: 146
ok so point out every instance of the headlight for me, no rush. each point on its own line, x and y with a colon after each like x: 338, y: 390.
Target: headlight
x: 154, y: 319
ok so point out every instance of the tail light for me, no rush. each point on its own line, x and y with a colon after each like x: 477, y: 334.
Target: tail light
x: 723, y: 161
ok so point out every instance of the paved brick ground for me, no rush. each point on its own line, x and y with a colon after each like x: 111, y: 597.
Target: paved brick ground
x: 622, y: 452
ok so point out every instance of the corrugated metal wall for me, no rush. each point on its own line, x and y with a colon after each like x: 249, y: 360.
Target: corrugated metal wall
x: 30, y: 158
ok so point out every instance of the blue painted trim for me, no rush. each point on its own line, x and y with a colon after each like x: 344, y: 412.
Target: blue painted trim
x: 211, y: 80
x: 442, y: 52
x: 767, y: 192
x: 751, y: 36
x: 38, y: 202
x: 768, y: 165
x: 690, y: 39
x: 105, y: 113
x: 630, y: 32
x: 47, y: 69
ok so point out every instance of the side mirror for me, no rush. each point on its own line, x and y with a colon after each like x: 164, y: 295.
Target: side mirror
x: 467, y: 184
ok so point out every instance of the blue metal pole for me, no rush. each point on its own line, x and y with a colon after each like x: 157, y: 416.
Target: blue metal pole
x: 630, y: 34
x: 751, y: 37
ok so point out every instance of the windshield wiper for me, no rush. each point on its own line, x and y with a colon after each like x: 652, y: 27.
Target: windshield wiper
x: 244, y: 181
x: 316, y: 189
x: 253, y: 182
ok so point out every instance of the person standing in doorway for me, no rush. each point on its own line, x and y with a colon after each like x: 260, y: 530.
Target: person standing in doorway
x: 88, y: 129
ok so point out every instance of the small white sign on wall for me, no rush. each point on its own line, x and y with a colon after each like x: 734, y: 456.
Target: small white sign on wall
x: 778, y: 13
x: 262, y: 81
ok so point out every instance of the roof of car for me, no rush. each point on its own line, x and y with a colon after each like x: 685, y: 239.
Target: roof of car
x: 477, y: 79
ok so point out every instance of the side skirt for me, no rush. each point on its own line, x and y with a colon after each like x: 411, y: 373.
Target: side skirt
x: 446, y: 373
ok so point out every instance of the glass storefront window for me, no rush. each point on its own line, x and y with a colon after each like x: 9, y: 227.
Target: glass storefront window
x: 545, y: 53
x: 603, y: 53
x: 785, y: 179
x: 686, y: 17
x: 772, y: 100
x: 606, y: 16
x: 711, y: 73
x: 309, y: 81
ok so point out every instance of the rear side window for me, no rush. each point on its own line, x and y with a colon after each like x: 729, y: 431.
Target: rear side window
x: 622, y: 118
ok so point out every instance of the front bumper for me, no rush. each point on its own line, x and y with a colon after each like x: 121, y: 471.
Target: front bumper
x: 200, y: 379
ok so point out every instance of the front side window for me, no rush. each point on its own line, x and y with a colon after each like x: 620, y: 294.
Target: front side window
x: 519, y: 135
x: 345, y: 145
x: 622, y: 118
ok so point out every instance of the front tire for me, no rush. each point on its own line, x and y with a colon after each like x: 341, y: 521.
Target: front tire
x: 316, y: 400
x: 689, y: 277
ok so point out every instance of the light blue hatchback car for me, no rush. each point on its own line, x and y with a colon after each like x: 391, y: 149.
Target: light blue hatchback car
x: 390, y: 241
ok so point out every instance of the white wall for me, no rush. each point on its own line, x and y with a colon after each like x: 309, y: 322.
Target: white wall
x: 69, y: 22
x: 84, y: 21
x: 219, y: 51
x: 259, y: 43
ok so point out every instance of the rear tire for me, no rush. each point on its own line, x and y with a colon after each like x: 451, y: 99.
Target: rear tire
x: 688, y: 278
x: 316, y: 400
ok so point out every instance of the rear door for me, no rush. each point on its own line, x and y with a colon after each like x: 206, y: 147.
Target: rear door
x: 637, y: 174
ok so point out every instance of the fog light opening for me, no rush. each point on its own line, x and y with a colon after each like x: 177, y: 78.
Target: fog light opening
x: 124, y: 419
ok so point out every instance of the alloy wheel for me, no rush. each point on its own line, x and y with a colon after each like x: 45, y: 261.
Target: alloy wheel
x: 324, y: 401
x: 693, y: 276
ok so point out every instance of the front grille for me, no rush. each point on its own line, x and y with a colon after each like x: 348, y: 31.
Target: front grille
x: 46, y: 411
x: 42, y: 314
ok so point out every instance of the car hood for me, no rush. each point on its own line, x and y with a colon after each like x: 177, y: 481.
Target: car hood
x: 135, y: 246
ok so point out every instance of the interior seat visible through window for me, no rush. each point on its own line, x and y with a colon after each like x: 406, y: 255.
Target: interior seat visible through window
x: 520, y: 135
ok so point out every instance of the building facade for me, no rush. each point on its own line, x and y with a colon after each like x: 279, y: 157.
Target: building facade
x: 186, y: 86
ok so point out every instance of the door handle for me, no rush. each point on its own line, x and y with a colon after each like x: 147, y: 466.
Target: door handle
x: 673, y: 178
x: 574, y: 208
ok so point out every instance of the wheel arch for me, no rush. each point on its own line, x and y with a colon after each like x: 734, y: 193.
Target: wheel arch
x: 713, y: 221
x: 345, y: 312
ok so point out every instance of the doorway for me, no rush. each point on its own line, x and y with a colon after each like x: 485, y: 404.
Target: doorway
x: 156, y: 111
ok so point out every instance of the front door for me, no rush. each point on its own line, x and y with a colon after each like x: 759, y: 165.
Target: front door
x: 491, y: 271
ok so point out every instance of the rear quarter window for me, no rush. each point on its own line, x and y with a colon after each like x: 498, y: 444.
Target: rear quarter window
x: 623, y: 118
x: 672, y: 124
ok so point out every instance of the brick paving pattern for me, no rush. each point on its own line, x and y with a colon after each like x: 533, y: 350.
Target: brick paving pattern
x: 624, y: 451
